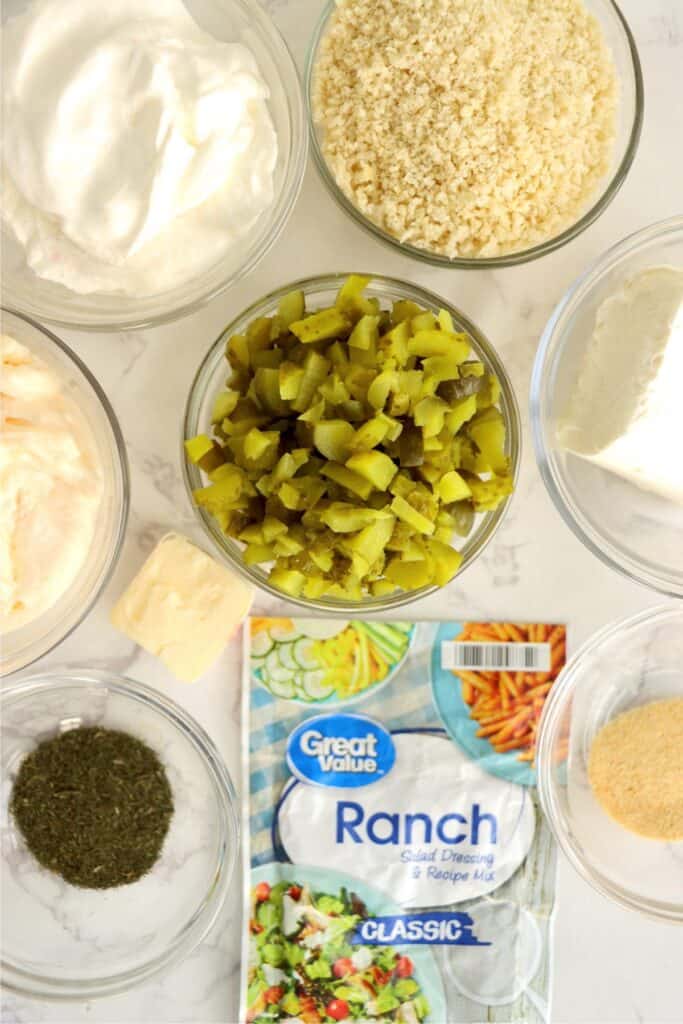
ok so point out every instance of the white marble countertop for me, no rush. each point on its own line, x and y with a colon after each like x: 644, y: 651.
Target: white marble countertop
x: 611, y: 966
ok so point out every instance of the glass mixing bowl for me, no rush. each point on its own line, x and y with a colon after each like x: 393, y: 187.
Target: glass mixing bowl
x: 628, y: 664
x: 64, y: 942
x: 232, y: 21
x: 633, y: 531
x: 22, y: 646
x: 629, y: 124
x: 320, y: 292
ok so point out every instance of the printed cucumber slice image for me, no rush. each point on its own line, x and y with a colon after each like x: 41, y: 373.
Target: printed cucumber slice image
x: 330, y: 661
x: 261, y: 645
x: 305, y: 653
x: 303, y: 966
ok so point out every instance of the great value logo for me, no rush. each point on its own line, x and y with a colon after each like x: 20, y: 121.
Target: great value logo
x: 340, y: 750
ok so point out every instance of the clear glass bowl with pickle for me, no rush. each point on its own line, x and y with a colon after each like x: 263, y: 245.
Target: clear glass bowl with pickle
x: 371, y: 522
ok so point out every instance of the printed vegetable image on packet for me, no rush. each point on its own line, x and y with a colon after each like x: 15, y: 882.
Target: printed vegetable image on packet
x: 398, y: 866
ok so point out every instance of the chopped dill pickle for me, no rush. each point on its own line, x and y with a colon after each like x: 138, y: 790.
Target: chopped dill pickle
x: 290, y: 376
x: 328, y: 323
x: 224, y: 403
x: 489, y: 393
x: 351, y: 299
x: 197, y: 447
x: 237, y: 351
x: 351, y: 444
x: 487, y: 430
x: 370, y: 433
x: 258, y: 442
x: 371, y: 540
x: 365, y: 334
x: 452, y: 487
x: 425, y: 320
x: 254, y: 553
x: 288, y: 580
x: 429, y: 414
x: 378, y: 392
x: 316, y: 368
x: 462, y: 514
x: 291, y: 308
x: 453, y: 390
x: 374, y: 466
x: 332, y: 438
x: 344, y: 518
x: 411, y: 516
x: 446, y: 562
x: 460, y: 412
x: 409, y: 575
x: 404, y: 309
x: 348, y: 479
x: 488, y: 494
x: 411, y: 447
x: 213, y: 459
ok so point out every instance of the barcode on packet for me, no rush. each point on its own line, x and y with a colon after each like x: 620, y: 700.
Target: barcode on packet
x: 495, y: 657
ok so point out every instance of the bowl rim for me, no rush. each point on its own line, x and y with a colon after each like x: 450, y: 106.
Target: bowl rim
x: 280, y: 209
x: 560, y: 695
x: 119, y: 446
x: 548, y: 345
x: 486, y: 262
x: 28, y: 983
x: 312, y: 285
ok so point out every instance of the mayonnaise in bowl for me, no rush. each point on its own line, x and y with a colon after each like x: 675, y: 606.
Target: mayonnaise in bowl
x: 64, y: 491
x: 50, y: 486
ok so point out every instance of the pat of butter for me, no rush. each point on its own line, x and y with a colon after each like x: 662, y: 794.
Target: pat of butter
x: 183, y: 607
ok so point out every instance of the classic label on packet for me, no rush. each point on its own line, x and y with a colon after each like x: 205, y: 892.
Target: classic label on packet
x: 345, y: 751
x: 435, y: 928
x: 437, y: 829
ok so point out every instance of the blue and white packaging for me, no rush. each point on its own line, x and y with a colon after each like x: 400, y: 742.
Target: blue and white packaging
x: 391, y: 875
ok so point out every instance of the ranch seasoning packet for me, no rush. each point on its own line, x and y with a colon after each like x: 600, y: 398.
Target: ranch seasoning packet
x: 398, y: 867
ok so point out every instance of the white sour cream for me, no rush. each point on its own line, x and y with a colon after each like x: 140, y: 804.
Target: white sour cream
x: 626, y: 413
x: 137, y: 148
x: 50, y: 487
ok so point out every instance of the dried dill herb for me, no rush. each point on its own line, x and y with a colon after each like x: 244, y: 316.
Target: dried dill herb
x: 94, y: 806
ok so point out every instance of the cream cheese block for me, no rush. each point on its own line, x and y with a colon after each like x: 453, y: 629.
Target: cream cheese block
x: 183, y: 607
x: 626, y: 411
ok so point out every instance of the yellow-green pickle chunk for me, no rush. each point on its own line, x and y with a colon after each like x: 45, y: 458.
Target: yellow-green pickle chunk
x: 352, y: 445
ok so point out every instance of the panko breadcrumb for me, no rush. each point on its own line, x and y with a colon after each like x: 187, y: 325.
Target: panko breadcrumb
x: 468, y: 128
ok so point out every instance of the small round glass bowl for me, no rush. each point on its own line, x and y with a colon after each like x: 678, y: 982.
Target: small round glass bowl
x: 628, y: 664
x: 633, y: 531
x: 22, y: 646
x: 629, y: 124
x: 320, y: 292
x: 241, y: 21
x: 64, y: 942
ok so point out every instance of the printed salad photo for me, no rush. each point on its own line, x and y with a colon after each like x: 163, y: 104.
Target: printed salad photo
x: 303, y: 965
